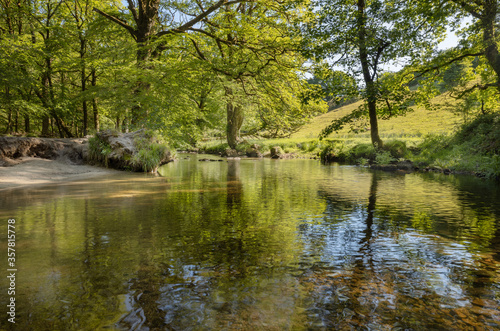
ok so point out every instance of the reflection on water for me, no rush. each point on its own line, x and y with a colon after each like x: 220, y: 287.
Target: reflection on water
x: 257, y: 245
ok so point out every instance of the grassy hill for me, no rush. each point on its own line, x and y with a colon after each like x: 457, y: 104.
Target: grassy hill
x: 413, y: 126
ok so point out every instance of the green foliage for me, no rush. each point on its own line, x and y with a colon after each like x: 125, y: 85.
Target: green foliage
x: 151, y: 151
x: 365, y: 151
x: 384, y: 157
x: 333, y: 151
x: 483, y: 134
x: 148, y: 159
x: 473, y: 149
x: 396, y: 148
x: 99, y: 150
x: 218, y: 148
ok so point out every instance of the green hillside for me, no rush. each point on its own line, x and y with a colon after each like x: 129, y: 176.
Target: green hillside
x: 412, y: 126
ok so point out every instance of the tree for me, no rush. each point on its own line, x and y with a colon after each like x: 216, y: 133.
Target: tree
x: 364, y: 38
x: 153, y: 22
x: 249, y: 46
x: 480, y: 87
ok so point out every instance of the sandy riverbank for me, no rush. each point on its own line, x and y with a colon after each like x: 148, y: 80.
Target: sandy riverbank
x: 34, y: 171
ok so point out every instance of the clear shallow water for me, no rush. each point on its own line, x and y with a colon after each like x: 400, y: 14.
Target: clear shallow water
x: 256, y: 245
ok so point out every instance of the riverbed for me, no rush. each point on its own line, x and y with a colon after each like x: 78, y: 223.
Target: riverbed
x: 255, y: 244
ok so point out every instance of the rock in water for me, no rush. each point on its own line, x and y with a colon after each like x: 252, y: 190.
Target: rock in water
x: 276, y: 152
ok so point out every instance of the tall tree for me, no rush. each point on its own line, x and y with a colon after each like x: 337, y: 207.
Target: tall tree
x: 365, y: 38
x: 152, y: 21
x: 250, y: 48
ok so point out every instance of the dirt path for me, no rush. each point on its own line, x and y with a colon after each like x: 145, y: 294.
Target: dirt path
x: 32, y: 171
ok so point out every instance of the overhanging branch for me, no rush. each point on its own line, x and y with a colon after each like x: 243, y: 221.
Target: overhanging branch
x: 436, y: 67
x: 118, y: 21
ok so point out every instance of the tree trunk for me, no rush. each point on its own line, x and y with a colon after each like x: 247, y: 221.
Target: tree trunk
x: 9, y: 115
x: 9, y: 122
x: 26, y: 123
x: 45, y: 126
x: 94, y: 102
x: 234, y: 120
x: 371, y: 89
x: 16, y: 122
x: 84, y: 103
x: 489, y: 25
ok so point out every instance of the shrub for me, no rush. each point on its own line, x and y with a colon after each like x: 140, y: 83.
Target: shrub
x: 149, y: 158
x: 396, y: 148
x: 216, y: 149
x: 365, y: 151
x: 384, y: 157
x: 333, y: 151
x: 99, y: 150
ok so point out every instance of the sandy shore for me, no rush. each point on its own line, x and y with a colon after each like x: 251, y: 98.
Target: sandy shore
x: 33, y: 171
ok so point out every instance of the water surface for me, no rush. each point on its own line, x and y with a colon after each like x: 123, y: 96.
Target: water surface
x: 256, y: 245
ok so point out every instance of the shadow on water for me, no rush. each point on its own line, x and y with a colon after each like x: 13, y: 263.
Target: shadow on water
x: 258, y: 245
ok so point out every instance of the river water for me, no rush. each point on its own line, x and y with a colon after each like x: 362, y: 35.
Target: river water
x: 256, y: 245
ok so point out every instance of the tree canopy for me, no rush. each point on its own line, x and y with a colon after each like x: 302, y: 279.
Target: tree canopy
x: 193, y: 68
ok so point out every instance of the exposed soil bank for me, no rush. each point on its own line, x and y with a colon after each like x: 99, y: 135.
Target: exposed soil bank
x: 31, y: 161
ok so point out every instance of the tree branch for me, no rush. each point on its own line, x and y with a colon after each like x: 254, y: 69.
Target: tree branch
x: 117, y: 21
x: 468, y: 8
x: 198, y: 18
x: 133, y: 10
x: 436, y: 67
x: 474, y: 87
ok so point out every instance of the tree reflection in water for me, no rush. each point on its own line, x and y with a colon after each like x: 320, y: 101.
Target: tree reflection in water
x: 395, y: 280
x: 251, y: 245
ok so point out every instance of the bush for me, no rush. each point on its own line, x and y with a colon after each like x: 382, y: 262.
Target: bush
x: 365, y: 151
x: 384, y: 157
x: 483, y: 134
x: 148, y: 158
x: 99, y: 150
x: 333, y: 151
x: 396, y: 148
x: 215, y: 149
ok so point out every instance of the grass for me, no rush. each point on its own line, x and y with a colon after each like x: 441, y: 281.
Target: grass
x: 435, y: 138
x: 413, y: 126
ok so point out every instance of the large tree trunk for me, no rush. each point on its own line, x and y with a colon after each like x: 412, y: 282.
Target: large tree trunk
x: 371, y: 90
x: 27, y: 123
x: 145, y: 16
x: 234, y: 120
x: 489, y: 25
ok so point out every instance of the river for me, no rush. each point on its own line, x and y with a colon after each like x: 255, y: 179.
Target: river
x: 255, y: 245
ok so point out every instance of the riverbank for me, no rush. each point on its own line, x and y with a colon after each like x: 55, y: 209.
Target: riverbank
x: 37, y: 171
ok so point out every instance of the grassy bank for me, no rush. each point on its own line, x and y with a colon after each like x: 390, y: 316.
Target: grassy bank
x: 435, y: 139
